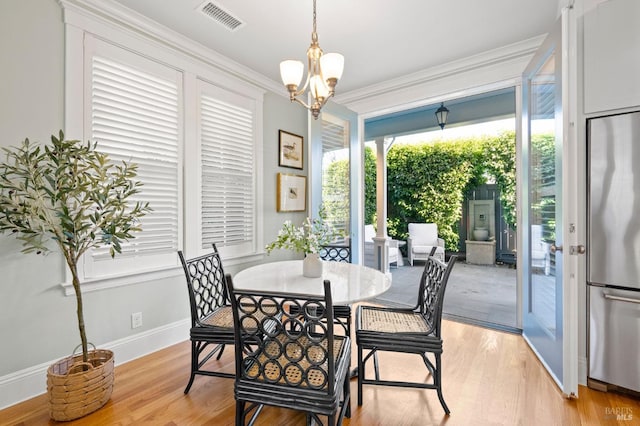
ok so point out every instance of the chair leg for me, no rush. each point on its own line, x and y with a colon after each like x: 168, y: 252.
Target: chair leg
x: 220, y: 353
x: 375, y: 365
x: 360, y: 375
x: 438, y: 382
x: 346, y: 394
x: 240, y: 413
x: 193, y: 376
x: 194, y: 366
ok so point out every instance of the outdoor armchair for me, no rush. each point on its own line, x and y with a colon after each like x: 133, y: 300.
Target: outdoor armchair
x: 422, y: 238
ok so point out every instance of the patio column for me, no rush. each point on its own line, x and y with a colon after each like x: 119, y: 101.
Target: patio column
x: 381, y: 241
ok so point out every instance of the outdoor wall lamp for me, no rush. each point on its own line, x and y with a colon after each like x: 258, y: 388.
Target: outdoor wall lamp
x: 441, y: 115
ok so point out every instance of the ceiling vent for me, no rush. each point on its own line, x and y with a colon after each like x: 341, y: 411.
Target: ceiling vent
x: 221, y: 16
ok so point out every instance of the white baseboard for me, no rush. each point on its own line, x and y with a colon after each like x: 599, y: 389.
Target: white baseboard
x: 30, y: 382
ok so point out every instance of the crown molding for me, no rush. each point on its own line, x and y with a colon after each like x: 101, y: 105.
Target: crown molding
x: 112, y: 13
x: 486, y: 59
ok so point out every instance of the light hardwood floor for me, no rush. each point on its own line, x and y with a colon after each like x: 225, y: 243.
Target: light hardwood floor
x: 489, y: 377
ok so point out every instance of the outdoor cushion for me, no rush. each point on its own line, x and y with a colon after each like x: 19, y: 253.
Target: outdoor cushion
x: 426, y: 249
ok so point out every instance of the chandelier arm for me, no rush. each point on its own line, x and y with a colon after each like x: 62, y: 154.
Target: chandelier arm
x: 301, y: 102
x: 302, y: 90
x: 307, y: 80
x: 324, y: 101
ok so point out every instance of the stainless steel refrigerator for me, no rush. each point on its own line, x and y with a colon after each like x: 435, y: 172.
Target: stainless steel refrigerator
x: 614, y: 249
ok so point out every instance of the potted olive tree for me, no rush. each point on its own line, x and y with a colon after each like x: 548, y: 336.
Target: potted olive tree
x: 70, y: 196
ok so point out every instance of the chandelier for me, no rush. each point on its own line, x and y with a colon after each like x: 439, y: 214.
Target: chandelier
x: 323, y: 73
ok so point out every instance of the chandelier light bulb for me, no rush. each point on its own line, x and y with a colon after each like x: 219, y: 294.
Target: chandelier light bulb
x: 291, y: 72
x: 332, y: 65
x: 319, y: 89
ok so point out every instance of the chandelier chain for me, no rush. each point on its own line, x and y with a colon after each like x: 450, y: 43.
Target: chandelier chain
x: 314, y: 16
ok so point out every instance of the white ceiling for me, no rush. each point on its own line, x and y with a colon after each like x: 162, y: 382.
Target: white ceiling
x: 380, y: 40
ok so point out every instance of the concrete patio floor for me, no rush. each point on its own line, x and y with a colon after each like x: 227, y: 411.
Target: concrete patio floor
x: 483, y: 295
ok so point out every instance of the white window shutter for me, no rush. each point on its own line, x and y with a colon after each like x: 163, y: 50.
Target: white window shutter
x: 135, y: 118
x: 227, y: 150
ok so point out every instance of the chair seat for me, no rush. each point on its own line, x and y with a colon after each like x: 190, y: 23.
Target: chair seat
x: 220, y: 321
x: 341, y: 316
x: 385, y: 321
x: 394, y: 330
x: 221, y: 317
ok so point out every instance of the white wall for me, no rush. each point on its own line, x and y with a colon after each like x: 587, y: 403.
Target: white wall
x: 37, y: 321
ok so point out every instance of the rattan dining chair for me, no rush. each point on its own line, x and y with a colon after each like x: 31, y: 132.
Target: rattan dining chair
x: 292, y: 362
x: 414, y: 330
x: 211, y: 312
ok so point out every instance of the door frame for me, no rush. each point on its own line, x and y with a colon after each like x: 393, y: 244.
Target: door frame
x: 356, y: 171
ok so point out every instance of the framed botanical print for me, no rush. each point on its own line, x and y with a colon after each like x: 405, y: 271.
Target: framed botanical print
x: 292, y: 193
x: 291, y: 150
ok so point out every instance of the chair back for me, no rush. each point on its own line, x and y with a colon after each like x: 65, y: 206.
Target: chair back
x: 274, y: 348
x: 423, y: 234
x: 206, y: 284
x: 432, y: 286
x: 336, y: 253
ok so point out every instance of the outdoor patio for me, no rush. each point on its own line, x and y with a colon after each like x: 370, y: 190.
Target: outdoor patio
x: 483, y: 295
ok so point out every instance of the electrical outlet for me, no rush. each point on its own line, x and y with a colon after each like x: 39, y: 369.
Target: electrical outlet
x: 136, y: 319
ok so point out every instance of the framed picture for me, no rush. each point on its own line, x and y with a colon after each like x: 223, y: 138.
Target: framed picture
x: 292, y: 193
x: 291, y: 150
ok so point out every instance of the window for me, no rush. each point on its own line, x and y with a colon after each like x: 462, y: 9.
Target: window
x: 336, y: 184
x: 194, y: 131
x: 133, y: 114
x: 226, y: 128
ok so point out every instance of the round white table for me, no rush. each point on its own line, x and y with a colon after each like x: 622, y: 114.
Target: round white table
x: 349, y: 283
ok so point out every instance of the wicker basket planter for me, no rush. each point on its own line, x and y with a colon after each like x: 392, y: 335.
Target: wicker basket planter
x: 76, y: 388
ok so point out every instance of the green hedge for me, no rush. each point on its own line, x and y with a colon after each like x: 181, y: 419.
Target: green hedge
x: 426, y: 182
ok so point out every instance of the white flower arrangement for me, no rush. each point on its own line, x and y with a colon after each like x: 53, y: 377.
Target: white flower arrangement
x: 310, y: 237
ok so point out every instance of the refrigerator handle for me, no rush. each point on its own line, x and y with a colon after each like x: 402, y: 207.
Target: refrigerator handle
x: 621, y: 299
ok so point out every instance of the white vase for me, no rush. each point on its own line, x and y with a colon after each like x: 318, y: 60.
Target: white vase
x: 312, y: 266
